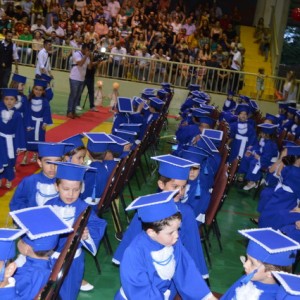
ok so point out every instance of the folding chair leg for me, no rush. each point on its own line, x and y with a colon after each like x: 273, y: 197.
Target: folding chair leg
x: 107, y: 244
x: 137, y: 180
x: 206, y: 232
x: 116, y: 217
x: 142, y: 171
x: 124, y: 206
x: 217, y: 233
x: 203, y: 240
x: 130, y: 191
x: 97, y: 264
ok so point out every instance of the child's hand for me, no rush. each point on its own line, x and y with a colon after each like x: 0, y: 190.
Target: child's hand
x: 44, y: 126
x: 85, y: 234
x: 297, y: 225
x: 257, y: 156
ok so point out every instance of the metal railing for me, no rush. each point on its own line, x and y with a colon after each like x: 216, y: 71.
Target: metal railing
x: 155, y: 71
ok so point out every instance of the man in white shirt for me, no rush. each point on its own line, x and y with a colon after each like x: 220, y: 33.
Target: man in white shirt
x: 38, y: 26
x: 141, y: 70
x: 43, y: 63
x: 116, y: 59
x: 236, y: 65
x: 80, y: 62
x: 59, y: 31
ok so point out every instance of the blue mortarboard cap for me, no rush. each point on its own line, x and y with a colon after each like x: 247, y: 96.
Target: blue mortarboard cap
x: 50, y: 149
x: 283, y: 105
x: 292, y: 110
x: 253, y: 105
x: 196, y: 157
x: 8, y: 237
x: 149, y: 91
x: 118, y: 145
x: 196, y: 94
x: 207, y: 145
x: 19, y: 78
x: 74, y: 142
x: 98, y: 141
x: 214, y: 135
x: 268, y: 128
x: 242, y: 107
x: 174, y: 167
x: 194, y: 87
x: 162, y: 93
x: 166, y: 86
x: 198, y: 112
x: 245, y: 98
x: 9, y: 92
x: 209, y: 108
x: 147, y: 95
x: 199, y: 100
x: 287, y: 143
x: 126, y: 135
x: 289, y: 286
x: 155, y: 207
x: 207, y: 120
x: 156, y: 103
x: 270, y: 246
x: 136, y: 127
x: 293, y: 150
x: 230, y: 93
x: 43, y: 226
x: 70, y: 171
x: 124, y: 104
x: 40, y: 82
x: 46, y: 77
x: 137, y: 101
x: 272, y: 118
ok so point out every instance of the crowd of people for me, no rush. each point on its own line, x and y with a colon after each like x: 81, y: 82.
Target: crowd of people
x: 203, y: 36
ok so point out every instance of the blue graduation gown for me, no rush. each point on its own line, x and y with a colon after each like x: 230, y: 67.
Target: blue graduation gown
x: 229, y: 105
x: 189, y: 235
x: 187, y: 104
x: 291, y: 231
x: 143, y: 276
x: 96, y: 227
x: 34, y: 190
x: 269, y: 291
x: 119, y: 118
x: 12, y: 137
x: 49, y: 93
x: 286, y: 125
x: 268, y: 151
x: 22, y: 105
x: 31, y: 277
x: 284, y: 198
x: 243, y: 135
x: 8, y: 293
x: 185, y: 134
x: 39, y: 113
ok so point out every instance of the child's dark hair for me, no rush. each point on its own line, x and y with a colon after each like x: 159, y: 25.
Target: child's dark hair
x: 32, y: 94
x: 269, y: 268
x: 164, y: 179
x: 159, y: 225
x: 98, y: 155
x: 45, y: 253
x: 58, y: 181
x: 75, y: 151
x: 289, y: 160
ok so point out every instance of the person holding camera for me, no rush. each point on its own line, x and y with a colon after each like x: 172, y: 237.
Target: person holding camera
x: 81, y: 61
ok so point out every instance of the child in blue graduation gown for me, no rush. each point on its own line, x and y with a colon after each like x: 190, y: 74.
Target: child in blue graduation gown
x: 37, y: 189
x: 289, y: 121
x: 260, y: 156
x: 69, y: 206
x: 39, y: 115
x: 48, y: 90
x: 172, y: 177
x: 229, y: 103
x: 282, y: 112
x: 156, y: 264
x: 242, y: 133
x: 286, y: 194
x: 295, y: 129
x: 258, y: 283
x: 11, y: 134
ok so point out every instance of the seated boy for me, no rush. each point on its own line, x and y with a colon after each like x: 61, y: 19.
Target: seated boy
x: 37, y: 189
x: 268, y: 250
x: 156, y: 264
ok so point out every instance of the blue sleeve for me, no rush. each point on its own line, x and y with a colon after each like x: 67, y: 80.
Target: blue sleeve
x: 49, y: 94
x: 20, y: 140
x: 269, y: 151
x: 187, y: 278
x: 47, y: 118
x: 20, y: 197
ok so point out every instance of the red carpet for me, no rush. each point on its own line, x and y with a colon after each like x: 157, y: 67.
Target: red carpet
x: 85, y: 123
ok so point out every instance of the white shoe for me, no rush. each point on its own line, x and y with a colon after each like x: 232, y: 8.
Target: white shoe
x: 249, y: 186
x: 86, y: 287
x: 78, y: 107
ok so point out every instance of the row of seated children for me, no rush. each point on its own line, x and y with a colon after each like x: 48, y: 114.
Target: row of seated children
x: 68, y: 206
x: 23, y: 120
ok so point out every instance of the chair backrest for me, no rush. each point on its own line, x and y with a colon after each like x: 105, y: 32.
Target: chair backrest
x: 224, y: 155
x: 233, y: 167
x: 60, y: 270
x: 280, y: 139
x: 223, y: 126
x: 218, y: 195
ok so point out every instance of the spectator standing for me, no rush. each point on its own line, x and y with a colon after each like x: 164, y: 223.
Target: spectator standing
x: 117, y: 59
x: 38, y: 26
x: 24, y: 50
x: 43, y: 65
x: 80, y: 62
x: 8, y: 55
x: 37, y: 45
x: 58, y: 30
x: 236, y: 65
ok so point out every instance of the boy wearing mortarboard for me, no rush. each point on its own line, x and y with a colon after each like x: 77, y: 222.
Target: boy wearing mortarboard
x: 174, y: 173
x: 69, y: 206
x: 268, y: 250
x: 156, y: 265
x: 37, y: 189
x: 36, y: 247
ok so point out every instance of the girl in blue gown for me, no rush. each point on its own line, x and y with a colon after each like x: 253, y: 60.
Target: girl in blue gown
x: 156, y: 265
x: 12, y: 136
x: 69, y: 206
x: 38, y: 117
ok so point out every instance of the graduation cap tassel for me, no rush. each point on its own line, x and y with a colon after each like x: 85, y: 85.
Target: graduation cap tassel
x: 94, y: 193
x: 198, y: 189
